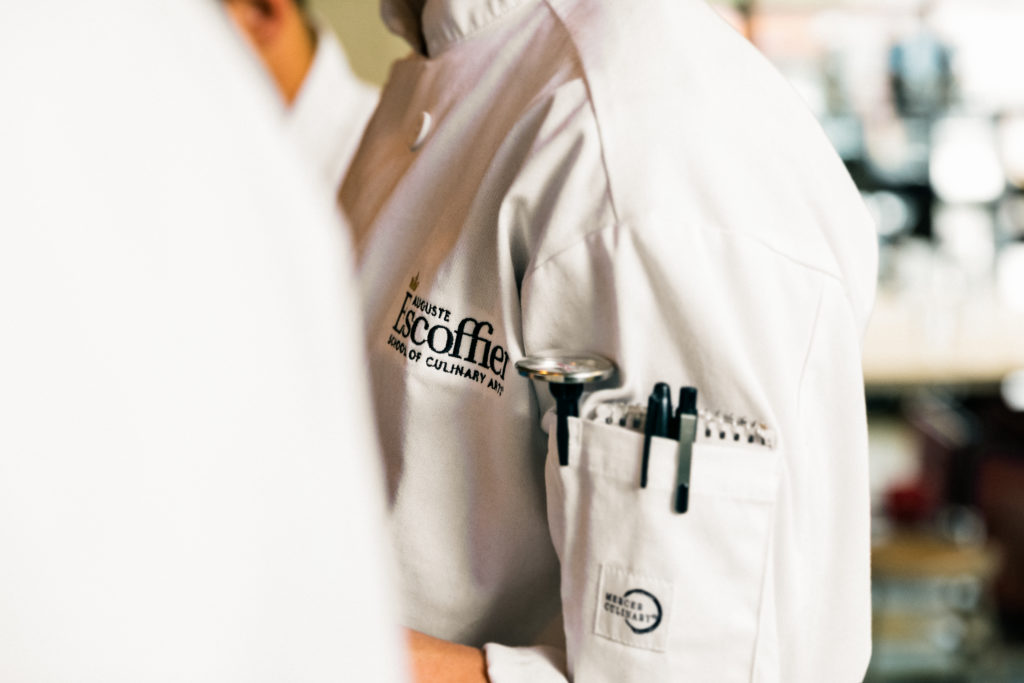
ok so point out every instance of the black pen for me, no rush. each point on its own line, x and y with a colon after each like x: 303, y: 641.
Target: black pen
x: 686, y: 421
x: 659, y: 415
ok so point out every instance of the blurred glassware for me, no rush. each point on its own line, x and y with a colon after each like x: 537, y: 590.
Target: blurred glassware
x: 898, y: 150
x: 985, y: 35
x: 934, y: 289
x: 1010, y: 132
x: 921, y: 71
x: 913, y: 265
x: 965, y: 167
x: 966, y: 233
x: 1010, y: 217
x: 962, y: 525
x: 1012, y: 390
x: 1010, y: 277
x: 893, y: 212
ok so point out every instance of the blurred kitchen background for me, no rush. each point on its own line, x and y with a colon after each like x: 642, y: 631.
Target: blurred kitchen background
x: 925, y: 103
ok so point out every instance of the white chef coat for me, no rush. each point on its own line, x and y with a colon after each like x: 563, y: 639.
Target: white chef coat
x: 330, y: 111
x: 189, y: 487
x: 631, y: 179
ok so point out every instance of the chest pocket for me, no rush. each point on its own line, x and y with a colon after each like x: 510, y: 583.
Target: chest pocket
x: 649, y: 594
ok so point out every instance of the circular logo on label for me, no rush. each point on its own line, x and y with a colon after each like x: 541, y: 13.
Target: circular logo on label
x: 648, y: 617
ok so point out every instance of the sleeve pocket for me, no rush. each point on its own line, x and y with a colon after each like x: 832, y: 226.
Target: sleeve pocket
x: 648, y: 594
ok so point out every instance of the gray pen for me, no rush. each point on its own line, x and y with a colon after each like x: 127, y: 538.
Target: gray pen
x: 686, y: 415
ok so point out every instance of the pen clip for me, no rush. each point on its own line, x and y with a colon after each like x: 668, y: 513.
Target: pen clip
x: 659, y: 416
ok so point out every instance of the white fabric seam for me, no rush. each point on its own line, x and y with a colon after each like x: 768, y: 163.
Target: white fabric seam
x: 726, y: 233
x: 807, y: 353
x: 593, y: 109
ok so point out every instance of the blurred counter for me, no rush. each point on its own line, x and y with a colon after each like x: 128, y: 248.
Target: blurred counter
x: 933, y: 617
x: 941, y: 339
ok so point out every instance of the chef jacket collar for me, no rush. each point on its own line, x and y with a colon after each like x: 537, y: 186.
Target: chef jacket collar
x: 442, y: 22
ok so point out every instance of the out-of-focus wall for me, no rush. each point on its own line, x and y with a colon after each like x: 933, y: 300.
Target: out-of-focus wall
x: 370, y: 47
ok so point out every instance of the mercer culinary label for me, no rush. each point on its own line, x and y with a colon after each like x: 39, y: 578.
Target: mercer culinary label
x: 448, y: 343
x: 633, y: 610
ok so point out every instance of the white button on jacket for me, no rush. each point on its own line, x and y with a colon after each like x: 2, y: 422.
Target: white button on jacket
x: 632, y: 179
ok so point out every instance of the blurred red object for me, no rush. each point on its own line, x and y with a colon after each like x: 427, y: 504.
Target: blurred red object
x: 909, y: 503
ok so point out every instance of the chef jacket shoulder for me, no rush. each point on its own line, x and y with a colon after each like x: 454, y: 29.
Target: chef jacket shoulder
x: 653, y: 116
x: 699, y: 132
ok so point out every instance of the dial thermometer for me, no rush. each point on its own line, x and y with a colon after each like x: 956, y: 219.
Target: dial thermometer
x: 566, y: 372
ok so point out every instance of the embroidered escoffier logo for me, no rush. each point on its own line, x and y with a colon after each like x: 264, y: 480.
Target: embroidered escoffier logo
x: 633, y: 609
x: 431, y: 335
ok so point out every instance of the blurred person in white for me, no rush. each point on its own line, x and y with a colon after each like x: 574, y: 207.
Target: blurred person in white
x: 921, y: 69
x: 189, y: 485
x: 327, y: 105
x: 632, y: 179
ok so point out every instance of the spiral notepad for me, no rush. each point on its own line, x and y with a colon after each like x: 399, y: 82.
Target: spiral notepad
x: 711, y: 425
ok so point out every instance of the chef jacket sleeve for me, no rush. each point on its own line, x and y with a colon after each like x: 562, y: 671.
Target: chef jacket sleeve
x: 189, y: 487
x: 774, y: 545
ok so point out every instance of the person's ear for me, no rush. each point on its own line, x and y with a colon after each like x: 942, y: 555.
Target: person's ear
x: 262, y: 20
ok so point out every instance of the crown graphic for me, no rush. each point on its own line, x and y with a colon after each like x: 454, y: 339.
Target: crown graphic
x: 414, y: 282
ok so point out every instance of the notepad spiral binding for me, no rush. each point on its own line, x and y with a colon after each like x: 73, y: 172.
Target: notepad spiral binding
x: 711, y: 425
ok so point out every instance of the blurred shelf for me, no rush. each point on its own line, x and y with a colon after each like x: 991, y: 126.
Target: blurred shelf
x: 915, y: 341
x: 908, y: 556
x: 932, y: 618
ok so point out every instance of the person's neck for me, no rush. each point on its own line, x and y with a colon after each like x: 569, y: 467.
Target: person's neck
x: 290, y: 64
